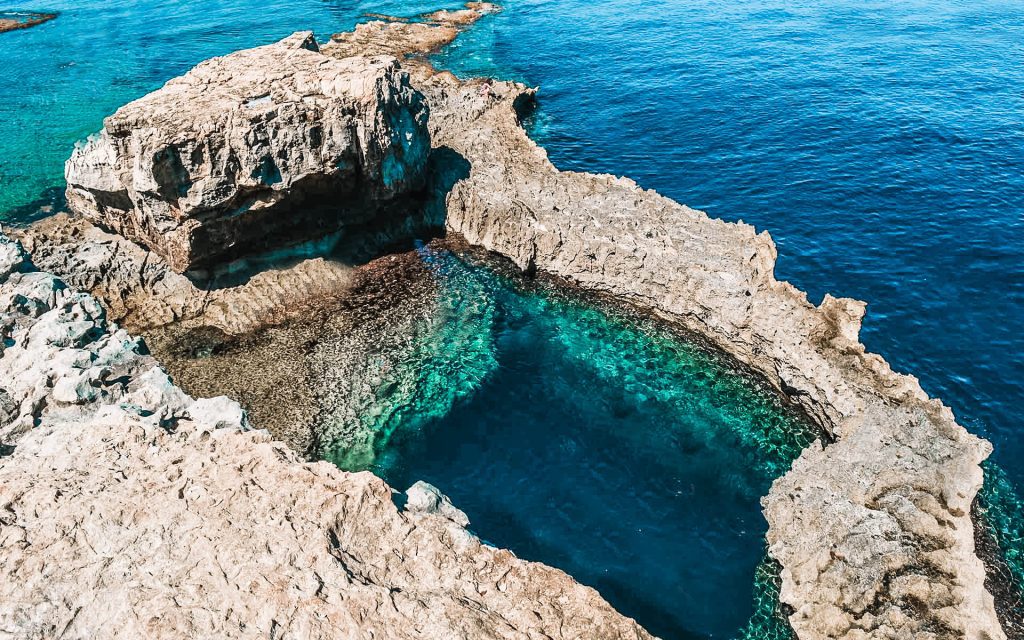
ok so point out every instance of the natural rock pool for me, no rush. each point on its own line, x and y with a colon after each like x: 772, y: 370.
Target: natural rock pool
x: 592, y: 439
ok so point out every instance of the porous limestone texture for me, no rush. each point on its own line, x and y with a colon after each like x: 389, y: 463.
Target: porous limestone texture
x: 141, y: 291
x: 872, y: 525
x: 62, y: 362
x: 130, y: 510
x: 252, y: 150
x: 289, y: 341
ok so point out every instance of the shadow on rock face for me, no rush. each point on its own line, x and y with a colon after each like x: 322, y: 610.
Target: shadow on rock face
x: 421, y: 217
x: 445, y: 168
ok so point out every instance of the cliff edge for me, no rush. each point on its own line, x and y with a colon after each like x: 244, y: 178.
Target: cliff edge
x: 129, y: 509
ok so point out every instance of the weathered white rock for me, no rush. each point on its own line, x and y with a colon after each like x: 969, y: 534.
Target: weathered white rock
x: 424, y: 497
x: 122, y: 529
x: 63, y: 362
x: 253, y: 150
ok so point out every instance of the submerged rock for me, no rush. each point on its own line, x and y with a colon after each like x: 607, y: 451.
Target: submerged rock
x: 13, y: 20
x: 252, y: 151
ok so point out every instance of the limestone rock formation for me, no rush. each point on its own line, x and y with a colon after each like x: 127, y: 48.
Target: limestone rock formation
x: 61, y: 361
x: 872, y: 526
x: 873, y: 531
x: 253, y: 150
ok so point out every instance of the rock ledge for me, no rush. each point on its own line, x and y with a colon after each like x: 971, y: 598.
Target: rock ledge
x: 872, y: 525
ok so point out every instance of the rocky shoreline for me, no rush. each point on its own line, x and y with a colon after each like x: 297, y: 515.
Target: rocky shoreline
x: 872, y: 526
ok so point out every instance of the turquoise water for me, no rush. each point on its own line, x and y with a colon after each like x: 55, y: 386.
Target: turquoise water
x: 591, y: 440
x: 881, y: 143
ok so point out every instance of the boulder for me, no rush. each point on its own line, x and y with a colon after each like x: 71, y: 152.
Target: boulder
x: 250, y: 151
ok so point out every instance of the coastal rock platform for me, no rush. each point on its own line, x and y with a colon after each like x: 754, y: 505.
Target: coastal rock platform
x: 872, y: 526
x: 128, y: 508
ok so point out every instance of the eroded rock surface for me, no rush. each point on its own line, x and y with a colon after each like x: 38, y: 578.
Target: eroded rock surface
x: 61, y: 361
x: 129, y: 509
x: 289, y: 342
x: 873, y: 531
x: 253, y: 150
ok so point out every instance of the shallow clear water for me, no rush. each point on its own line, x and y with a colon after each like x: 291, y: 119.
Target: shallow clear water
x: 881, y: 143
x: 590, y: 440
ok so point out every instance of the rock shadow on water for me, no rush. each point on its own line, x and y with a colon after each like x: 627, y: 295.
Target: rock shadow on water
x: 50, y: 201
x: 626, y: 599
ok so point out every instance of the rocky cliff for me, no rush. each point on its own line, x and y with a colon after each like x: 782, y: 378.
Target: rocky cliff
x: 279, y: 144
x: 872, y: 525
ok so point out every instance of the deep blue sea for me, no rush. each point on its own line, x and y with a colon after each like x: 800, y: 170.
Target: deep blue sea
x: 881, y: 144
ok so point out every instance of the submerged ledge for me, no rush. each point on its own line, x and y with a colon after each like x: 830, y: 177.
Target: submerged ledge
x: 873, y: 531
x: 14, y: 20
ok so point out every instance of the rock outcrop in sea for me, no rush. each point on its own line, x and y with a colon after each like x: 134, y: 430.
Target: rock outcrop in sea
x: 15, y: 20
x: 252, y: 151
x: 872, y: 526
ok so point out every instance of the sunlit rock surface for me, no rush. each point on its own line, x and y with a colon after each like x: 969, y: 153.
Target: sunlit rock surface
x: 872, y: 526
x: 874, y: 531
x: 253, y: 150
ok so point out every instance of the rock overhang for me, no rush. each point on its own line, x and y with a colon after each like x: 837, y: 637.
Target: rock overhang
x: 253, y: 150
